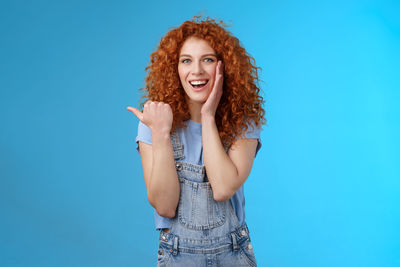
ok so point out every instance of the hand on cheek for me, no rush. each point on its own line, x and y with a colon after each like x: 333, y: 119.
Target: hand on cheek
x: 210, y: 106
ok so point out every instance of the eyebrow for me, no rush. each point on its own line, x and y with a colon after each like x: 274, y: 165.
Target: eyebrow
x: 205, y: 55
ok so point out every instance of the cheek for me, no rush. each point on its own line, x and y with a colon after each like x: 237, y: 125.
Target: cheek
x: 212, y: 71
x: 182, y: 74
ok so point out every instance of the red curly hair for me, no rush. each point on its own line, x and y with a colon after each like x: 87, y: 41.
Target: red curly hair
x: 240, y: 103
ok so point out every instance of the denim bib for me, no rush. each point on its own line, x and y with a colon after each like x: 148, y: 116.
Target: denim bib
x: 204, y: 232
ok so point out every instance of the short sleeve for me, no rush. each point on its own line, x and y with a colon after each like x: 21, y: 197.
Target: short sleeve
x: 144, y: 135
x: 254, y: 132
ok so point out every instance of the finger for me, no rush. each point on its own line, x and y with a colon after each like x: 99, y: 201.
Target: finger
x: 219, y: 76
x: 136, y: 112
x: 218, y: 88
x: 220, y: 68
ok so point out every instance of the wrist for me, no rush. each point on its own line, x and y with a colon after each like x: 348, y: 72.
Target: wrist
x: 160, y: 129
x: 160, y: 136
x: 207, y: 118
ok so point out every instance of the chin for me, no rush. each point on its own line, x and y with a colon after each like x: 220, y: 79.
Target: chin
x: 201, y: 98
x: 198, y: 100
x: 196, y: 97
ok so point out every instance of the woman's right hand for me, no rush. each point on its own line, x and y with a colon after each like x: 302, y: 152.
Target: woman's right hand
x: 156, y: 115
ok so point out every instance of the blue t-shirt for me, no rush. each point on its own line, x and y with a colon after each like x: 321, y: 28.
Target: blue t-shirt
x: 190, y: 137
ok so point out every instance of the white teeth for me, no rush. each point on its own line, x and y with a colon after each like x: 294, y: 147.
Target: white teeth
x: 198, y: 82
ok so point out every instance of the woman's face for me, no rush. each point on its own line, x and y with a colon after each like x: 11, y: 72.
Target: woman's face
x: 196, y: 68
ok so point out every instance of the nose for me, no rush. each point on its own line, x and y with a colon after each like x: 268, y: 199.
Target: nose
x: 197, y: 68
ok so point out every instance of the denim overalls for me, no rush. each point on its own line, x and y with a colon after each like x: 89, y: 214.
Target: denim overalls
x: 204, y: 232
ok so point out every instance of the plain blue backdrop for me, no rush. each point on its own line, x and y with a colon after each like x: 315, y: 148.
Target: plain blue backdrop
x: 325, y: 187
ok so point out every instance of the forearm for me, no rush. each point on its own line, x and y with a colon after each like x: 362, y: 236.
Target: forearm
x: 164, y: 187
x: 221, y: 171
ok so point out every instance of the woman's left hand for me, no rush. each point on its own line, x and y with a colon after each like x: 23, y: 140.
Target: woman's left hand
x: 209, y: 108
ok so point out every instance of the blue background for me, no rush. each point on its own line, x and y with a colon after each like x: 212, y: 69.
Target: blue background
x: 325, y: 187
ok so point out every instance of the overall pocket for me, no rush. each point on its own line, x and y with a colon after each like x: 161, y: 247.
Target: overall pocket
x: 197, y: 207
x: 247, y: 252
x: 163, y: 255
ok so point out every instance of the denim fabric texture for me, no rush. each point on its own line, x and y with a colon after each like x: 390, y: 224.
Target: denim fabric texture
x: 204, y: 232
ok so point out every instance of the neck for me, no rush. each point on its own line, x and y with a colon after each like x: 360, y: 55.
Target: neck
x: 195, y: 111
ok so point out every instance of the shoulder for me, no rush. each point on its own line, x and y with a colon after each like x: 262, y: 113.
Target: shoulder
x: 143, y: 134
x: 251, y: 136
x: 253, y: 131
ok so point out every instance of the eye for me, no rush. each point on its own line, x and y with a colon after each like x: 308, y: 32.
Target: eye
x: 208, y: 59
x: 186, y: 60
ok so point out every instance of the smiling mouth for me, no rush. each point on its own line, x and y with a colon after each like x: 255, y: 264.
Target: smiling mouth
x: 198, y: 84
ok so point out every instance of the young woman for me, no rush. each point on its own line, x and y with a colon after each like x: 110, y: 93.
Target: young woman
x: 198, y: 135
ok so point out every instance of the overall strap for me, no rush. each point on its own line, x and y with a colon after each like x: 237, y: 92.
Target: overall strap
x: 177, y: 146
